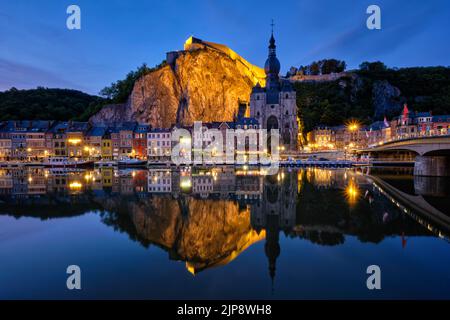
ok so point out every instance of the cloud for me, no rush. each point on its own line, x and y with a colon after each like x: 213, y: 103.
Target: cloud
x: 357, y: 43
x: 23, y: 76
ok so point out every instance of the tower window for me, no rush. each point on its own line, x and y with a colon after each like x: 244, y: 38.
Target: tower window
x: 272, y: 106
x: 287, y: 96
x: 287, y: 113
x: 257, y: 113
x: 257, y: 97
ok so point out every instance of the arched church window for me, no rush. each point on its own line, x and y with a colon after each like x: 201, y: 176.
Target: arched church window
x: 272, y: 106
x: 272, y: 123
x: 287, y: 113
x: 257, y: 113
x: 287, y: 96
x: 257, y: 97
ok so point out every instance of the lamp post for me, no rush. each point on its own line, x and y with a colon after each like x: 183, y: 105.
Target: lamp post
x: 353, y: 128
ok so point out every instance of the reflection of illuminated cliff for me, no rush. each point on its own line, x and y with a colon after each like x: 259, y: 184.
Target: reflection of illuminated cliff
x: 223, y: 211
x: 204, y: 233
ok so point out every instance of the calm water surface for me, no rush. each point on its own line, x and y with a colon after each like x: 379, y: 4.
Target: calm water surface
x: 223, y: 233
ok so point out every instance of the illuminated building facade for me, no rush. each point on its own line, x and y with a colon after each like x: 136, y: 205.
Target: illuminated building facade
x: 274, y: 106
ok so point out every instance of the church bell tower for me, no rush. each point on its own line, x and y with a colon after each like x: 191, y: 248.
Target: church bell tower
x: 274, y: 106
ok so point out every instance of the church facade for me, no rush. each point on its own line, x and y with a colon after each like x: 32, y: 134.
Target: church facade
x: 274, y: 106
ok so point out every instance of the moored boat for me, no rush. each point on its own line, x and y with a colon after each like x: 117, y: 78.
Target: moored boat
x: 104, y: 163
x: 62, y: 162
x: 126, y: 162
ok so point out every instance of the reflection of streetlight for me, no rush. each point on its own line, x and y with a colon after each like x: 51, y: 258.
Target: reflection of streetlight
x: 75, y: 185
x: 352, y: 193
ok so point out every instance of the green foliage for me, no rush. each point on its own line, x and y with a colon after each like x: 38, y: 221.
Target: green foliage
x: 333, y: 103
x: 119, y: 91
x: 329, y: 103
x: 373, y: 67
x: 423, y: 88
x: 46, y: 104
x: 324, y: 66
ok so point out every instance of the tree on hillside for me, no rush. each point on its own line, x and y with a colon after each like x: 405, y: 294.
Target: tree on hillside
x: 376, y: 66
x: 119, y: 91
x: 324, y: 66
x: 314, y: 68
x: 46, y: 104
x: 332, y: 66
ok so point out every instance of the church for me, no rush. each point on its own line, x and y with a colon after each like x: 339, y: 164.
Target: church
x: 274, y: 106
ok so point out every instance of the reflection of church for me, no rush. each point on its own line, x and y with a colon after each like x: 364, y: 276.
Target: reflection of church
x: 275, y: 212
x: 275, y: 105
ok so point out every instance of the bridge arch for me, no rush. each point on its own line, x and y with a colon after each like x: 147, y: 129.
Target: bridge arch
x: 440, y: 152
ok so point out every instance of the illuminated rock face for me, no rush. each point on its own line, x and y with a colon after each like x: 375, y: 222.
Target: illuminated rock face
x: 201, y: 83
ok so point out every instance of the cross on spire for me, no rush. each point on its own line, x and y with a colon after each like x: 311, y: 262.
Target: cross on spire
x: 272, y: 25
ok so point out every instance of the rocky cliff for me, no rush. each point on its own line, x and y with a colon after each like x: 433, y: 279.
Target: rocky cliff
x: 203, y: 82
x: 386, y: 99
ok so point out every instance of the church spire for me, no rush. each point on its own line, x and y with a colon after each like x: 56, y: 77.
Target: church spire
x: 272, y: 66
x: 272, y: 245
x: 272, y: 46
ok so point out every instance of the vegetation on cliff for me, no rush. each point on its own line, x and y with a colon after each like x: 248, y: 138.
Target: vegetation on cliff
x: 367, y: 94
x: 329, y: 103
x: 372, y: 92
x: 424, y: 88
x: 119, y: 91
x: 47, y: 104
x: 321, y: 67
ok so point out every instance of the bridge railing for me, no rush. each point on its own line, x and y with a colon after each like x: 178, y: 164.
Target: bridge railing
x: 406, y: 137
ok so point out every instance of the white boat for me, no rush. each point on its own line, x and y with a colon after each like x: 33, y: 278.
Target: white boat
x: 62, y: 162
x: 105, y: 163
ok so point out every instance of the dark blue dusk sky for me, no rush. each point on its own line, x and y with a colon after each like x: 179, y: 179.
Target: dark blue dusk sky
x: 36, y: 48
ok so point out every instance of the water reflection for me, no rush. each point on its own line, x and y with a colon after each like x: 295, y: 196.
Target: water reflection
x: 208, y: 217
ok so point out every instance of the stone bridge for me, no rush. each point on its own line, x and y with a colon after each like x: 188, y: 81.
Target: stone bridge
x: 431, y: 155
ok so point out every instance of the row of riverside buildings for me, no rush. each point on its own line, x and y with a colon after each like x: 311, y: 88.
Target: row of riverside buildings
x: 409, y: 124
x: 38, y: 140
x: 272, y: 106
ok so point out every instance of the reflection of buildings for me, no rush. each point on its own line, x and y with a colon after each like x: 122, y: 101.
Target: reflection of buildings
x: 207, y: 227
x: 36, y: 182
x: 225, y: 181
x: 328, y: 178
x: 203, y: 184
x: 159, y: 180
x: 275, y: 212
x: 6, y: 182
x: 249, y: 187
